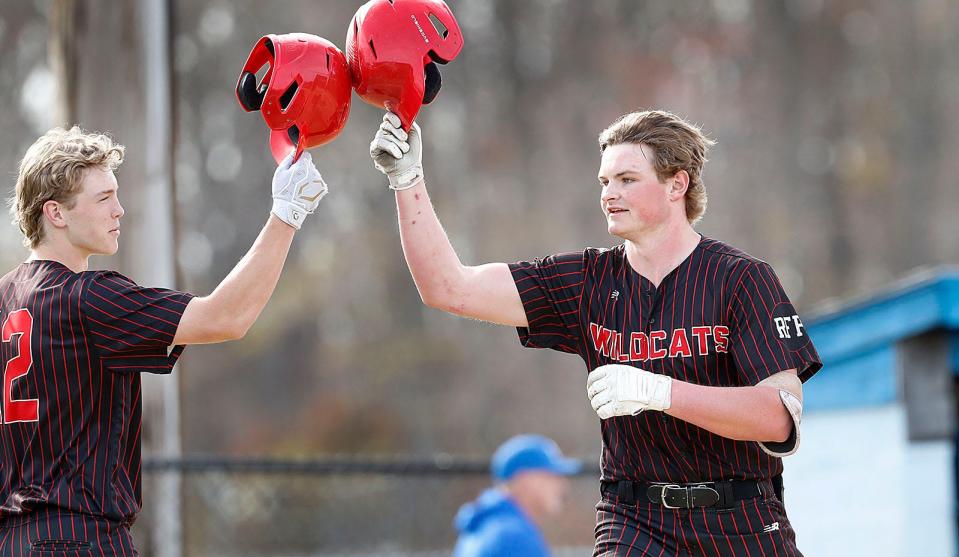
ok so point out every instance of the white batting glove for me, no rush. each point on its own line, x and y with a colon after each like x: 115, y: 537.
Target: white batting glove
x: 621, y: 390
x: 398, y: 154
x: 297, y: 189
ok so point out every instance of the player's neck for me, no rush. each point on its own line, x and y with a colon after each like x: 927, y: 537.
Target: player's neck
x: 655, y: 253
x: 62, y: 251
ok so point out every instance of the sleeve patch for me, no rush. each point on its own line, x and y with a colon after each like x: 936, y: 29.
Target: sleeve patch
x: 789, y: 328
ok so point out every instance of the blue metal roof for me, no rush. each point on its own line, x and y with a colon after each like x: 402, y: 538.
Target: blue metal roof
x: 857, y: 338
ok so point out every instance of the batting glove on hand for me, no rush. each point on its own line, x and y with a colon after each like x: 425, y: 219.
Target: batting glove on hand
x: 297, y: 189
x: 398, y: 154
x: 621, y: 390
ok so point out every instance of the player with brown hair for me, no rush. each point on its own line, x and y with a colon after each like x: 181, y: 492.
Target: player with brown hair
x: 695, y: 355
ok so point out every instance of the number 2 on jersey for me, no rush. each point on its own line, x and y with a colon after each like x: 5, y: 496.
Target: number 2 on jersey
x: 18, y: 324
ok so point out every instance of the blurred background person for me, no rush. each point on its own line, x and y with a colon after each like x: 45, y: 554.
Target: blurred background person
x: 530, y: 474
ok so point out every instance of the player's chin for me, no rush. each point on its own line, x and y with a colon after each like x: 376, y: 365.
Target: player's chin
x: 109, y: 247
x: 615, y: 230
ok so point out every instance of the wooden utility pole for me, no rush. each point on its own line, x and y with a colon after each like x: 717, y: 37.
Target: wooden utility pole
x: 113, y: 70
x: 61, y: 59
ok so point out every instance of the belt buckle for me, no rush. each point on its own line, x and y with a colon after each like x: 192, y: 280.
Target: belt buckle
x: 662, y: 495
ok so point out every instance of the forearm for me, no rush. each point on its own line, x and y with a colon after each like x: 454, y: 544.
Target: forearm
x: 741, y: 413
x: 436, y: 269
x: 244, y: 292
x: 232, y: 308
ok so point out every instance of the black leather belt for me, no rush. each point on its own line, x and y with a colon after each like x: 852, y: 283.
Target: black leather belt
x: 721, y: 494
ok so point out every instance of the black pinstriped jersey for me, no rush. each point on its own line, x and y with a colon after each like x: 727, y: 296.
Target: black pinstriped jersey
x: 73, y: 346
x: 721, y: 318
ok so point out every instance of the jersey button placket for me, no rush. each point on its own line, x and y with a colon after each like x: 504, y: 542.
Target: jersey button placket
x: 651, y: 302
x: 649, y: 305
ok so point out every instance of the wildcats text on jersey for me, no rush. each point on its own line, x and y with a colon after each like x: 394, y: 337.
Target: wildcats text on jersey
x: 655, y: 345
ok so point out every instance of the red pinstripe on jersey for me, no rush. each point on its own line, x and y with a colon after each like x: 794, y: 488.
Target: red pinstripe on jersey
x: 92, y: 332
x: 709, y: 322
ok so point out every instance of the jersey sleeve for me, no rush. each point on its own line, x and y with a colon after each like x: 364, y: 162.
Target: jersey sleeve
x: 767, y: 336
x: 132, y: 327
x: 551, y: 289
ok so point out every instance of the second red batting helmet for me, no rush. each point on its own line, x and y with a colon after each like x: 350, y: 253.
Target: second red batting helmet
x: 393, y: 47
x: 304, y: 95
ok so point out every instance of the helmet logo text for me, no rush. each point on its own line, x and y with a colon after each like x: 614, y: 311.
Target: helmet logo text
x: 420, y: 27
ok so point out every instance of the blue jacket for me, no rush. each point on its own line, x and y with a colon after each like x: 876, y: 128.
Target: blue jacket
x: 495, y: 526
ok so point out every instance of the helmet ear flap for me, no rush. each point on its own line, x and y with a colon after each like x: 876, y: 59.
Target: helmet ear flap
x: 247, y: 92
x: 433, y: 82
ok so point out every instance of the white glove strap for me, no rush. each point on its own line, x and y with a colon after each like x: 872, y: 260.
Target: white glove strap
x: 289, y: 212
x: 656, y: 389
x: 406, y: 179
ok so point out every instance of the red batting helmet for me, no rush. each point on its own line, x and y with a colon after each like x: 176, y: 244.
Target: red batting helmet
x: 304, y: 95
x: 393, y: 47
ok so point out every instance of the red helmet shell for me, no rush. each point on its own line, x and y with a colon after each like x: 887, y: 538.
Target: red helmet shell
x: 304, y: 95
x: 393, y: 47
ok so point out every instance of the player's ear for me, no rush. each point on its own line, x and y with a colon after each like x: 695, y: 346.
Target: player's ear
x: 678, y: 185
x: 53, y: 214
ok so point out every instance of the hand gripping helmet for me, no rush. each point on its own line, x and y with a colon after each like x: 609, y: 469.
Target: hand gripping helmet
x: 304, y: 95
x: 393, y: 47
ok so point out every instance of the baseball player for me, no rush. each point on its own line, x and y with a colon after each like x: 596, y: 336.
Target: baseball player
x: 75, y: 342
x: 695, y: 355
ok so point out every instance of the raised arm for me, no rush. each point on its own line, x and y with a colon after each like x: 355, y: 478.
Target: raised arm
x: 485, y: 292
x: 229, y: 312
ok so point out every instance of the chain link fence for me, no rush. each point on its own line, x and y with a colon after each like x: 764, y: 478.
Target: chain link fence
x: 341, y: 506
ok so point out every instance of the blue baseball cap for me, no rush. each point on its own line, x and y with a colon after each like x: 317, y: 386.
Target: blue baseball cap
x: 531, y: 452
